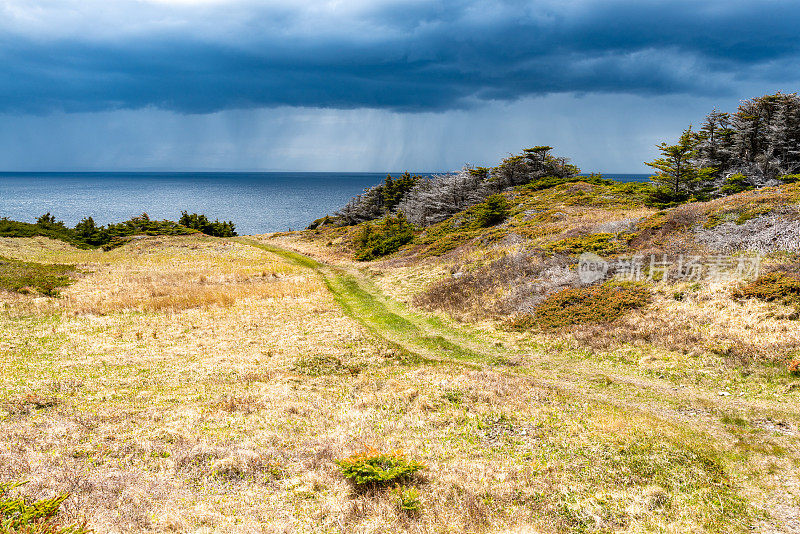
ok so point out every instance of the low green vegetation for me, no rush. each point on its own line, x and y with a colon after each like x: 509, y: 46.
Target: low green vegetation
x: 19, y: 515
x: 202, y: 224
x: 29, y: 277
x: 491, y: 211
x: 408, y: 500
x: 87, y: 234
x: 780, y: 287
x: 602, y: 243
x: 373, y: 468
x: 383, y: 238
x: 593, y: 304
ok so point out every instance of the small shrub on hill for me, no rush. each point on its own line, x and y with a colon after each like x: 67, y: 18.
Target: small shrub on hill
x: 44, y: 227
x: 602, y: 243
x: 662, y: 197
x: 407, y: 500
x: 780, y: 287
x: 551, y: 181
x: 373, y: 468
x: 19, y: 515
x: 593, y: 304
x: 491, y: 211
x: 384, y: 238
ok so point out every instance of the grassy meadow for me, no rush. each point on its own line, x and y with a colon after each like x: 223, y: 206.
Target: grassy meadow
x: 200, y: 384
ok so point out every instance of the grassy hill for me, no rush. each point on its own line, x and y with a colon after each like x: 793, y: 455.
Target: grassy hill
x: 467, y: 383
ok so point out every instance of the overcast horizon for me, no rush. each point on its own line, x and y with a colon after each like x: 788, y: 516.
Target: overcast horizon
x: 369, y: 86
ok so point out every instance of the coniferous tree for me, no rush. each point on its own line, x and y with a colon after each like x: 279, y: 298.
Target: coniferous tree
x: 675, y: 168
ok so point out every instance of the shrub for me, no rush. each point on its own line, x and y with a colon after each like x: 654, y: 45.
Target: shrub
x: 407, y: 500
x: 663, y: 197
x: 780, y: 287
x: 23, y: 277
x: 202, y: 224
x: 552, y: 181
x: 384, y: 238
x: 44, y: 227
x: 593, y: 304
x: 87, y: 234
x: 602, y: 243
x: 736, y: 183
x: 22, y: 516
x: 491, y: 211
x: 372, y: 468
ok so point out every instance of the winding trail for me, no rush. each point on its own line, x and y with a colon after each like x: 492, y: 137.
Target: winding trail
x: 699, y: 410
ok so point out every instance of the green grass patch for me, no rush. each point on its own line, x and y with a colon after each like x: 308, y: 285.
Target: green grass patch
x: 30, y: 277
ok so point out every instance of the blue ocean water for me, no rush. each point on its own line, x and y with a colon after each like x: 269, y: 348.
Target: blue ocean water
x: 257, y: 202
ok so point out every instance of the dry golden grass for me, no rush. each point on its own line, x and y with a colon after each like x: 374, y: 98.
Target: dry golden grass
x: 198, y: 385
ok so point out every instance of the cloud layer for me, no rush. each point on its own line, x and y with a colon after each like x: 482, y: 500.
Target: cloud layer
x: 208, y: 56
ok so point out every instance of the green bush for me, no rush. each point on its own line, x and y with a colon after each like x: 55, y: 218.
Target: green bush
x: 384, y: 238
x: 551, y: 181
x: 407, y: 500
x: 22, y: 276
x: 491, y: 211
x: 593, y: 304
x: 664, y: 197
x: 22, y: 516
x: 87, y: 234
x: 372, y: 468
x: 736, y: 183
x: 202, y: 224
x: 43, y: 227
x: 602, y: 243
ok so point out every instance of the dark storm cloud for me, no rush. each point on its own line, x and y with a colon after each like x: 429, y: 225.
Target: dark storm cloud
x: 415, y: 56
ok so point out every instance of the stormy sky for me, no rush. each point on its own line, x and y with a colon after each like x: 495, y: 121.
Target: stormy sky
x: 373, y: 85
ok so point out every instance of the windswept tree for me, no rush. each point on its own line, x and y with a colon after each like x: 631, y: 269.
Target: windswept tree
x: 377, y: 201
x: 429, y: 200
x: 675, y: 168
x: 756, y: 146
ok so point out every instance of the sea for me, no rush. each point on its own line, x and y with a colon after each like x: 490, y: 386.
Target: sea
x: 257, y: 202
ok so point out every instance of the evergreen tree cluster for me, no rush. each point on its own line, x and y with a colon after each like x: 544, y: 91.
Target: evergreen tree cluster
x: 202, y: 224
x: 87, y: 233
x: 377, y: 201
x: 424, y: 201
x: 757, y: 146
